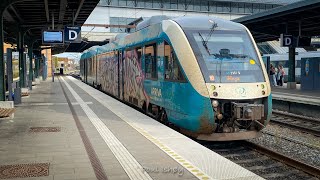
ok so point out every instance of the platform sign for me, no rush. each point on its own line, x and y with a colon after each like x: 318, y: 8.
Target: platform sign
x: 72, y: 34
x: 52, y: 37
x: 286, y: 40
x: 303, y: 41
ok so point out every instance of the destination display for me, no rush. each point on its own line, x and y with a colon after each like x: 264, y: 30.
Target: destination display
x: 52, y: 37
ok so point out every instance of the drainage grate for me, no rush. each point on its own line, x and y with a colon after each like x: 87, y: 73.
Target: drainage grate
x: 45, y: 129
x: 24, y: 170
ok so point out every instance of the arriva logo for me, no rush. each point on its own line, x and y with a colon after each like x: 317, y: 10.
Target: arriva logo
x: 241, y: 91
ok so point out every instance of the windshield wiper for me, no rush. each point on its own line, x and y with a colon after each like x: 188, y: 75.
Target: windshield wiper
x: 214, y: 25
x: 241, y: 56
x: 204, y: 44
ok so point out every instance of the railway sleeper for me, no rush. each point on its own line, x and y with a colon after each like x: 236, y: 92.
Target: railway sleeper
x: 257, y: 159
x: 265, y: 167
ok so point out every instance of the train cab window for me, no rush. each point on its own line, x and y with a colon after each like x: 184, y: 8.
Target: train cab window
x: 172, y: 68
x: 150, y: 56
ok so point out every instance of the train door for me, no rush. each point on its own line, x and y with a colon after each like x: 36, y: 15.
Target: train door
x: 97, y: 70
x: 85, y: 70
x: 119, y: 68
x: 121, y: 77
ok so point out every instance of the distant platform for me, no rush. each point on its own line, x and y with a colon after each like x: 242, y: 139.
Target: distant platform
x: 296, y: 95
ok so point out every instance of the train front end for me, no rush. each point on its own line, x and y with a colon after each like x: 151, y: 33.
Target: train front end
x: 234, y: 76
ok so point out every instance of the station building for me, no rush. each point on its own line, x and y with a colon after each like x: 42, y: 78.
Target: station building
x: 123, y: 12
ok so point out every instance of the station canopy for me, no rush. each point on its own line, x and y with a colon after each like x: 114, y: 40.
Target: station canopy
x: 34, y: 16
x: 268, y: 25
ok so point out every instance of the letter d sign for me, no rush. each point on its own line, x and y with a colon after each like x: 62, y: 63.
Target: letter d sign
x: 287, y: 41
x: 72, y: 35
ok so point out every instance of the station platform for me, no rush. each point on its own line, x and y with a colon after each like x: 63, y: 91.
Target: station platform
x: 69, y: 130
x: 281, y: 93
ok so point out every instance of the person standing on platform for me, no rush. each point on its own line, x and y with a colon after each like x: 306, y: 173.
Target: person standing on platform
x: 273, y: 75
x: 280, y: 75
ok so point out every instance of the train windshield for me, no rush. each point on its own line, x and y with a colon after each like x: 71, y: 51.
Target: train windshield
x: 226, y: 56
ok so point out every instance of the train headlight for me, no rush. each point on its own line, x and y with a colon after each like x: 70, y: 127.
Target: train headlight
x: 213, y: 87
x: 262, y: 86
x: 263, y: 92
x: 215, y: 103
x: 215, y: 94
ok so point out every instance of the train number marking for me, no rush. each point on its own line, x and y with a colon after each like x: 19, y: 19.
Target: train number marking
x: 156, y: 92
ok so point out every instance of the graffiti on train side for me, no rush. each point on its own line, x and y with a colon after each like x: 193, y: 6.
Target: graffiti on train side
x: 133, y: 78
x: 108, y: 68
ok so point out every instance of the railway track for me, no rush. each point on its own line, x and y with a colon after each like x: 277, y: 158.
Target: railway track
x: 302, y: 123
x: 263, y: 162
x: 315, y: 146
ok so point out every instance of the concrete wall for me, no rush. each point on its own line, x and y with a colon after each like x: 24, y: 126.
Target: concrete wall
x: 47, y: 53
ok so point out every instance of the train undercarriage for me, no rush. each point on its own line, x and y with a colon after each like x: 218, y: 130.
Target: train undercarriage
x: 233, y: 120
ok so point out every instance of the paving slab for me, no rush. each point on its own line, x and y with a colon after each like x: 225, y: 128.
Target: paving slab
x: 65, y: 125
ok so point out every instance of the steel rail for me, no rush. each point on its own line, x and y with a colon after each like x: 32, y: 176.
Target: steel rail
x: 287, y: 114
x: 291, y: 139
x: 312, y: 170
x: 301, y: 128
x: 297, y: 118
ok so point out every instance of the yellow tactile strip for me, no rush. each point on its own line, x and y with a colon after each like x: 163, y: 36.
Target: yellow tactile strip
x: 183, y: 162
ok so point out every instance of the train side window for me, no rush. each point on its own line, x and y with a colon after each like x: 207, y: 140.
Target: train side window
x: 139, y: 53
x: 298, y: 64
x: 172, y: 69
x: 150, y: 57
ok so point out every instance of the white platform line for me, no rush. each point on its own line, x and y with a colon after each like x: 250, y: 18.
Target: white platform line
x: 49, y: 104
x: 133, y: 169
x: 175, y: 156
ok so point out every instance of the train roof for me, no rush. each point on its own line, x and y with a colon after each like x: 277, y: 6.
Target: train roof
x: 89, y: 52
x: 185, y: 22
x: 150, y: 21
x: 206, y: 22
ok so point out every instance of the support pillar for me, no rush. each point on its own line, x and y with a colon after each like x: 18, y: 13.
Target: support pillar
x: 25, y: 69
x: 3, y: 5
x: 21, y: 60
x: 38, y: 66
x: 36, y: 71
x: 44, y: 68
x: 30, y: 54
x: 9, y: 73
x: 292, y: 68
x: 2, y: 73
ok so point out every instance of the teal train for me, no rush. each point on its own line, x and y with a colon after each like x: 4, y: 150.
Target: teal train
x: 202, y: 75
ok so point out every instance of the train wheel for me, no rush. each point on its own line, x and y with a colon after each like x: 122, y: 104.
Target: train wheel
x: 144, y: 107
x: 163, y: 116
